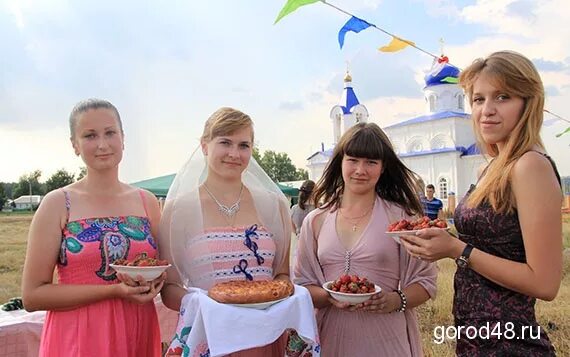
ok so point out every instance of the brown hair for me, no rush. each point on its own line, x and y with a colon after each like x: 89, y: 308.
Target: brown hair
x: 225, y: 121
x: 397, y: 184
x: 305, y: 192
x: 516, y: 75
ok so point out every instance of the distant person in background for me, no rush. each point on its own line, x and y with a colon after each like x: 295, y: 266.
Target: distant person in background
x: 301, y: 209
x: 82, y: 228
x: 432, y: 205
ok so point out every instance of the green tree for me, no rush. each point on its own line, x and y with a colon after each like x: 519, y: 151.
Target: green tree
x: 256, y: 155
x: 28, y: 183
x: 279, y: 167
x: 2, y: 195
x: 59, y: 179
x: 82, y: 172
x: 9, y: 189
x: 302, y: 174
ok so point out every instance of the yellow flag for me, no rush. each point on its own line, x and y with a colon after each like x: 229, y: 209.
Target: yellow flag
x: 396, y: 45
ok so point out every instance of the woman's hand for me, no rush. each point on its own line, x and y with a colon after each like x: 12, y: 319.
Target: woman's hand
x: 432, y: 244
x: 382, y: 303
x: 338, y: 304
x: 137, y: 290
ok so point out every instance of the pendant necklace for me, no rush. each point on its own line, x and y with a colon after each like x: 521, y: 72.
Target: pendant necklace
x: 226, y: 211
x: 355, y: 220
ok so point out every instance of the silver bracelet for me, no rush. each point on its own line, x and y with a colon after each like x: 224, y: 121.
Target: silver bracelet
x: 404, y: 301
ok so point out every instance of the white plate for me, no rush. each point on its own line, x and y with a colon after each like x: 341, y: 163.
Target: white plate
x: 396, y: 234
x: 148, y: 273
x: 259, y: 305
x: 353, y: 299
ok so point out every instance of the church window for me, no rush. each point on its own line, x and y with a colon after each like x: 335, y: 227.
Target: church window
x: 461, y: 102
x: 358, y: 117
x: 432, y: 103
x: 417, y: 144
x: 443, y: 188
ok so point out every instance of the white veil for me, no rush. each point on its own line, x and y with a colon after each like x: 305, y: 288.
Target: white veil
x: 182, y: 215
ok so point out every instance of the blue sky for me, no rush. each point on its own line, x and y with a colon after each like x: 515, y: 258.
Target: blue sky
x: 168, y: 65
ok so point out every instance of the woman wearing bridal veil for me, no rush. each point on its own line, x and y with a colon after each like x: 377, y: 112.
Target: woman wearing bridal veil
x: 224, y: 219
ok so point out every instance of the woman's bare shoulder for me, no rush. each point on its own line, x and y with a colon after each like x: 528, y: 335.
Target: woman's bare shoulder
x: 532, y: 163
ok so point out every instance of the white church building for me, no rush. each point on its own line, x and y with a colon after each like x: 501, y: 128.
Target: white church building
x: 439, y: 146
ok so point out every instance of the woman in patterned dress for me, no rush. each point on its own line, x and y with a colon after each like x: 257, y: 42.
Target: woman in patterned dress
x: 81, y: 229
x: 222, y: 229
x: 509, y: 251
x: 364, y: 188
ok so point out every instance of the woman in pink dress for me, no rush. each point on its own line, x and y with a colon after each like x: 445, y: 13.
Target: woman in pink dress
x: 219, y: 226
x: 363, y: 189
x: 81, y: 229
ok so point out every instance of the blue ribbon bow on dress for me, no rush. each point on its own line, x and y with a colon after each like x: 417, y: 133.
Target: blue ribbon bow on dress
x: 251, y: 245
x: 252, y: 232
x: 241, y: 268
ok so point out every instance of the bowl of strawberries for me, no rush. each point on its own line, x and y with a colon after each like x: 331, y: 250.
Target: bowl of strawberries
x: 351, y: 288
x: 410, y: 227
x: 148, y: 268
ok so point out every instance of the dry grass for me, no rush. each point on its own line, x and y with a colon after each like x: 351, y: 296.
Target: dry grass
x: 14, y: 230
x: 13, y: 236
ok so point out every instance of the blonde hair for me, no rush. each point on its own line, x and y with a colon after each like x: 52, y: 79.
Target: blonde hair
x: 516, y: 75
x: 225, y: 121
x: 91, y: 104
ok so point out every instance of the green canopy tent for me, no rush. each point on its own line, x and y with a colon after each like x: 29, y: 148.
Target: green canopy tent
x: 159, y: 186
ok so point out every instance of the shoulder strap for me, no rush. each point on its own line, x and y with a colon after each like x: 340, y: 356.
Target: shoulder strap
x: 141, y: 193
x: 67, y: 205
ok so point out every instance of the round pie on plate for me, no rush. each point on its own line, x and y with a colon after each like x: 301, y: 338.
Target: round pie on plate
x: 249, y: 292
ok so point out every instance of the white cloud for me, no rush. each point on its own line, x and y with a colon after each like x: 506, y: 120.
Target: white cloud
x: 445, y: 8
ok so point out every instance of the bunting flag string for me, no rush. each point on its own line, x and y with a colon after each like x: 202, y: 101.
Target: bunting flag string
x: 356, y: 24
x: 396, y: 44
x: 291, y: 6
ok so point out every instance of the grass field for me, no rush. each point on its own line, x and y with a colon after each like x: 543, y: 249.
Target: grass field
x: 553, y: 316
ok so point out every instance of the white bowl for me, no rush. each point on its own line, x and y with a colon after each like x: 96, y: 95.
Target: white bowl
x: 352, y: 299
x: 148, y: 273
x: 396, y: 234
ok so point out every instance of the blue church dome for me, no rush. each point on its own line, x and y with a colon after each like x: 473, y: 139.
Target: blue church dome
x: 442, y: 72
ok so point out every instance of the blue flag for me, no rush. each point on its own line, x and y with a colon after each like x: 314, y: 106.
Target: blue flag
x: 355, y: 25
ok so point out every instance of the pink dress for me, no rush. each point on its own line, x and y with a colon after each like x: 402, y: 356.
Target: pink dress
x: 377, y: 257
x: 225, y: 254
x: 112, y: 327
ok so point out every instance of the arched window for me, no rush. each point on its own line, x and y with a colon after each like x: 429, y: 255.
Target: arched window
x: 461, y: 101
x: 417, y: 144
x: 443, y: 188
x: 441, y: 141
x: 432, y: 103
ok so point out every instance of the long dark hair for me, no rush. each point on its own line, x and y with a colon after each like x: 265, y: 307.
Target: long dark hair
x: 397, y: 184
x: 305, y: 193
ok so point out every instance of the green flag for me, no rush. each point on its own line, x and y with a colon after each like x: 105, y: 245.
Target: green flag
x: 564, y: 132
x: 291, y: 6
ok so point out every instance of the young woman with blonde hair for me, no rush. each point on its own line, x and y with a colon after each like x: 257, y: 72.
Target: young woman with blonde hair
x: 509, y: 251
x: 79, y: 230
x: 224, y: 220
